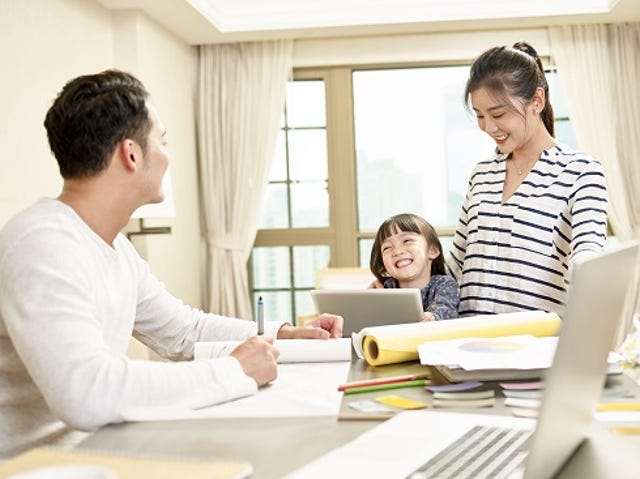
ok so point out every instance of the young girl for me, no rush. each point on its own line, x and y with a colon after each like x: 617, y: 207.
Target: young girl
x: 535, y: 207
x: 407, y: 254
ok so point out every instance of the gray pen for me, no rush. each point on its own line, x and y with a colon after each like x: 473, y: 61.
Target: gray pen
x: 260, y: 316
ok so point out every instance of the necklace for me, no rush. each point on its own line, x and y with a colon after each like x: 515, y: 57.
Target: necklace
x: 519, y: 169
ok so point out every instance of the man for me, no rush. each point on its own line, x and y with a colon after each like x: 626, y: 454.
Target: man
x: 73, y: 290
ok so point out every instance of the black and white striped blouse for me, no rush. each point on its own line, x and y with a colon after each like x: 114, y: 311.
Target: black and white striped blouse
x: 516, y: 255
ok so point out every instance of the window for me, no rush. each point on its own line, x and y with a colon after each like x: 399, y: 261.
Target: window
x: 297, y: 194
x: 355, y: 147
x: 415, y: 146
x: 296, y: 207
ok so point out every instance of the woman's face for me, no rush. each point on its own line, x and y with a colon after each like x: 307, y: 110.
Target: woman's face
x: 511, y: 124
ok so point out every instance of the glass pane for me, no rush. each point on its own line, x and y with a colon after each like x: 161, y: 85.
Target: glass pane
x: 556, y: 96
x: 415, y: 144
x: 271, y: 267
x: 304, y: 303
x: 305, y: 103
x: 274, y: 211
x: 277, y: 305
x: 306, y: 260
x: 565, y: 134
x: 364, y: 246
x: 447, y: 243
x: 308, y: 154
x: 278, y: 171
x: 309, y: 205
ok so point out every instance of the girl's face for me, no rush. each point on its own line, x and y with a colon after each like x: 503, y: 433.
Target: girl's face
x: 407, y: 257
x: 510, y: 129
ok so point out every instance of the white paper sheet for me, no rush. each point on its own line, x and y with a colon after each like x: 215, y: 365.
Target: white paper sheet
x: 618, y: 416
x: 303, y: 389
x: 291, y: 350
x: 509, y: 352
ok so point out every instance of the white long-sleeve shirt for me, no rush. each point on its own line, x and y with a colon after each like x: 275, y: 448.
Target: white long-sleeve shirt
x: 69, y: 303
x: 517, y: 254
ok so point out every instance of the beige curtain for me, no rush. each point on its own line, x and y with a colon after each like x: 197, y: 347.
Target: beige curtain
x: 241, y: 94
x: 625, y: 48
x: 599, y: 109
x: 582, y: 54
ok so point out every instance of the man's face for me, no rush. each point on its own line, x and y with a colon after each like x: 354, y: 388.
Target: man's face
x: 155, y: 159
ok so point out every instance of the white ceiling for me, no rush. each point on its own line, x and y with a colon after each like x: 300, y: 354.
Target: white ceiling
x: 214, y: 21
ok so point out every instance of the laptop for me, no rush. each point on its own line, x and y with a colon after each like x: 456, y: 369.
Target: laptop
x: 431, y: 444
x: 363, y: 308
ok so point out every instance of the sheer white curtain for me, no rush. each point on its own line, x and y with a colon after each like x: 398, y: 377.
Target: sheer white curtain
x: 625, y: 45
x: 585, y: 55
x: 241, y: 94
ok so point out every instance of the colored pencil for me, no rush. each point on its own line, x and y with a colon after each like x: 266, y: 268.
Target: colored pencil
x: 378, y: 381
x: 381, y: 387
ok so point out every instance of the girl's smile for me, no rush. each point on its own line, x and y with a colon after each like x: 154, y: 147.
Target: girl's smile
x: 407, y: 257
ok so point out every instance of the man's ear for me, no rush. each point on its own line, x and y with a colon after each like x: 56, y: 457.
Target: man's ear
x: 128, y: 154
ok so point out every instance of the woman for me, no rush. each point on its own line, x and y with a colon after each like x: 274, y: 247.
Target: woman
x: 535, y: 207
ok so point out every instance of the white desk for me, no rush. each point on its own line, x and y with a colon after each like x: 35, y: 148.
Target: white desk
x: 278, y: 446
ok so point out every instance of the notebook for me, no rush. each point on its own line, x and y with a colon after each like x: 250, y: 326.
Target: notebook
x: 49, y: 461
x: 362, y: 308
x: 422, y: 444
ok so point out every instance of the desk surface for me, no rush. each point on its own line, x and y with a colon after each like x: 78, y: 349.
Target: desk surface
x: 276, y: 447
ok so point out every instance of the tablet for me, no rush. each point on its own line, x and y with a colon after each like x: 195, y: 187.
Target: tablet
x: 362, y: 308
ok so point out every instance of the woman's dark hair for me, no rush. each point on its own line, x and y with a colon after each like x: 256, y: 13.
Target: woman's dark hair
x: 511, y: 72
x: 404, y: 222
x: 91, y: 115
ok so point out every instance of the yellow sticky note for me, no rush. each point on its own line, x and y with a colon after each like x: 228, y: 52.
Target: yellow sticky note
x: 399, y: 401
x: 625, y: 430
x: 621, y: 406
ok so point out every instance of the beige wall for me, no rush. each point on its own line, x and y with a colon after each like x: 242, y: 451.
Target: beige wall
x: 44, y: 44
x: 47, y: 42
x: 419, y: 47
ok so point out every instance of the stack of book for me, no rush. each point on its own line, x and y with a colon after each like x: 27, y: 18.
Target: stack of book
x: 470, y: 394
x: 523, y: 397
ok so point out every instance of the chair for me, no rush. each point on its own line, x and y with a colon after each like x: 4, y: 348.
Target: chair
x: 338, y: 278
x: 343, y: 278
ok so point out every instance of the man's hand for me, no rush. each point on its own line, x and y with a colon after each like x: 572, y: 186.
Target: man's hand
x: 324, y: 326
x: 257, y: 356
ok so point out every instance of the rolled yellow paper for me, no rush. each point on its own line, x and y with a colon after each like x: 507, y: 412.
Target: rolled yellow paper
x: 399, y: 343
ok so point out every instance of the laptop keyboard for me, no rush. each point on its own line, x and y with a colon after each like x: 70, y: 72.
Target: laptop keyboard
x: 483, y: 452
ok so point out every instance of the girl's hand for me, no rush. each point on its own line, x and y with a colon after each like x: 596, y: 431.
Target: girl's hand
x: 375, y: 285
x: 427, y: 316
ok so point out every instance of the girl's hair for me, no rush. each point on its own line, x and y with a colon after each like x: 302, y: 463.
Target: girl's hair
x: 511, y: 72
x: 404, y: 222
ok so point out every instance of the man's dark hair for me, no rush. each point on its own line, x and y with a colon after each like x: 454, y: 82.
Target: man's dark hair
x: 91, y: 115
